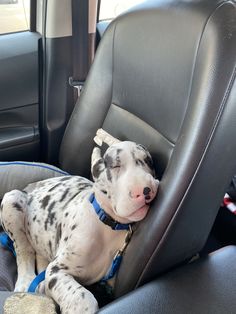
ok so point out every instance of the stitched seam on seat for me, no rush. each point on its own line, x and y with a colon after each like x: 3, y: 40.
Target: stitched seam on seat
x: 112, y: 70
x: 217, y: 119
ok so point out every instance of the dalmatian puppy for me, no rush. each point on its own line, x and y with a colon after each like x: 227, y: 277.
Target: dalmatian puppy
x: 54, y: 225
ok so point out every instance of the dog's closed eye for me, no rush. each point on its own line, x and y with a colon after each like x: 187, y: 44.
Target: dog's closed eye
x: 116, y: 167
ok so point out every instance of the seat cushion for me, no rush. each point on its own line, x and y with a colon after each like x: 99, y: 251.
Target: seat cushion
x: 8, y: 270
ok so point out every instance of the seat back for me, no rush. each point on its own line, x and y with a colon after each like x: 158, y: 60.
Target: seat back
x: 164, y: 76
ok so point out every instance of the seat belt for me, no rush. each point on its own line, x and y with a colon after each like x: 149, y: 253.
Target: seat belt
x: 80, y: 43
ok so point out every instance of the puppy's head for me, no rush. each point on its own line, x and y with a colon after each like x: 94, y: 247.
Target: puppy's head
x: 124, y: 180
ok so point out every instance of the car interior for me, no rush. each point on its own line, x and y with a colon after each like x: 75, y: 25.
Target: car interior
x: 161, y: 74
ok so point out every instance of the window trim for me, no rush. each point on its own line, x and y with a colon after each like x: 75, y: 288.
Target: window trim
x: 32, y: 24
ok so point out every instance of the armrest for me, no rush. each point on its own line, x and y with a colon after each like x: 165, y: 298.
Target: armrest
x: 204, y: 286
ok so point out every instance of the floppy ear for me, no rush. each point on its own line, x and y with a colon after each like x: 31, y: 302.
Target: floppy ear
x: 97, y: 163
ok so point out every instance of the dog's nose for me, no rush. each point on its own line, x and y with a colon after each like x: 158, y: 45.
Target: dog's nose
x: 146, y: 190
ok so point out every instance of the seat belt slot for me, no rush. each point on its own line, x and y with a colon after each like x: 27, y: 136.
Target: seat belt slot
x: 76, y: 84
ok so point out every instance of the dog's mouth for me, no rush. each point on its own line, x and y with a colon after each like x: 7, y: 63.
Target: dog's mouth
x: 139, y: 213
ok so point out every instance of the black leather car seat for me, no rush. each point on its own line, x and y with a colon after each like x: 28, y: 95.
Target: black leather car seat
x: 164, y: 76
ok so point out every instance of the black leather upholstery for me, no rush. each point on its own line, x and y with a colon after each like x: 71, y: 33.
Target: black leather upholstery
x: 164, y: 76
x: 206, y: 286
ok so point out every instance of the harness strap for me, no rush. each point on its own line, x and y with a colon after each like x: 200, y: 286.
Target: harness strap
x: 36, y: 281
x: 7, y: 242
x: 114, y: 268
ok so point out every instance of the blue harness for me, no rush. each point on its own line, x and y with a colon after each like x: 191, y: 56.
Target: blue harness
x: 115, y: 225
x: 6, y: 242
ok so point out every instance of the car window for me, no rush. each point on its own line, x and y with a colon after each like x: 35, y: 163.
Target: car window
x: 14, y: 16
x: 109, y: 9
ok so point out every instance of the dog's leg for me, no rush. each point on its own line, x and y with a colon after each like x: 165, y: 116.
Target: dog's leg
x: 42, y: 264
x: 13, y: 212
x: 67, y: 292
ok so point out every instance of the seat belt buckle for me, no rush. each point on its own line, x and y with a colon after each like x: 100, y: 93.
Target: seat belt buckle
x: 76, y: 84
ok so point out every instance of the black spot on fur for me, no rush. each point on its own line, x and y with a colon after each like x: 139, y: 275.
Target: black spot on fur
x: 118, y: 151
x: 85, y: 186
x: 139, y: 162
x: 51, y: 215
x: 109, y: 164
x: 30, y: 200
x: 65, y: 178
x: 109, y: 176
x: 65, y: 239
x: 34, y: 218
x: 62, y: 265
x: 52, y: 283
x: 18, y: 207
x: 45, y: 201
x: 54, y: 187
x: 149, y: 162
x: 36, y: 239
x: 58, y: 234
x: 50, y: 246
x: 82, y: 295
x: 98, y: 168
x: 104, y: 192
x: 51, y: 206
x: 70, y: 199
x: 54, y: 269
x: 108, y: 160
x: 64, y: 195
x: 141, y: 147
x: 73, y: 227
x: 66, y: 214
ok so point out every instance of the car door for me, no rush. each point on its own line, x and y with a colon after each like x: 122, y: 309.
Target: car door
x: 19, y: 82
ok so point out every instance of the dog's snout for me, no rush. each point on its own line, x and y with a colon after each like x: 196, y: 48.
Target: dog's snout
x: 144, y: 193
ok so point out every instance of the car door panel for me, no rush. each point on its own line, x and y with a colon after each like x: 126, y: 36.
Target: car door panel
x: 19, y: 97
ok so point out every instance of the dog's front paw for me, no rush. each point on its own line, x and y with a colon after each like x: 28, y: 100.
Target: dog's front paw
x: 22, y: 284
x: 84, y: 302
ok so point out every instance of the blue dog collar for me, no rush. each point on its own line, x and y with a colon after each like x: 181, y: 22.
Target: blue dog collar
x: 105, y: 218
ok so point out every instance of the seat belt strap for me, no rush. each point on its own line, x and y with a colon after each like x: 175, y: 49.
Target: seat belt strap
x: 80, y: 43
